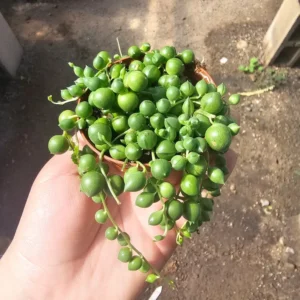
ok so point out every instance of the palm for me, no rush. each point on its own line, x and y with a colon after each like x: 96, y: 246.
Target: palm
x: 67, y: 249
x: 59, y: 251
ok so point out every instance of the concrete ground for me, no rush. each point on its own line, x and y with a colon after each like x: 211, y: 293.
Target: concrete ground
x: 239, y: 254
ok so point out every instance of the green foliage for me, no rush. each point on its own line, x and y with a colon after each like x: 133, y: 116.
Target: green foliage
x: 146, y: 115
x: 264, y: 76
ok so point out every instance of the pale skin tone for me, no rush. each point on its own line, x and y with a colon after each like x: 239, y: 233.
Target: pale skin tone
x: 60, y: 252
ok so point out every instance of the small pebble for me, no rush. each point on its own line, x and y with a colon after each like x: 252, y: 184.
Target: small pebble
x: 223, y: 60
x: 289, y: 250
x: 264, y: 202
x: 232, y: 188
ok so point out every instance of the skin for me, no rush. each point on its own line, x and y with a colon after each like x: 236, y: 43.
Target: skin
x: 60, y: 252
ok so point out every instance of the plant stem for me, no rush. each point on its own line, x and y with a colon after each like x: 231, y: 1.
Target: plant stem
x: 228, y: 110
x: 62, y: 102
x: 257, y: 92
x: 125, y: 237
x: 179, y: 238
x: 164, y: 209
x: 124, y: 164
x: 204, y: 113
x: 100, y: 71
x: 178, y: 193
x: 76, y: 137
x: 66, y: 101
x: 166, y: 226
x: 69, y: 139
x: 177, y: 103
x: 106, y: 71
x: 101, y: 136
x: 153, y: 155
x: 120, y: 51
x: 101, y: 155
x: 195, y: 98
x: 161, y: 199
x: 120, y: 135
x: 109, y: 215
x: 143, y: 167
x: 73, y: 116
x: 109, y: 186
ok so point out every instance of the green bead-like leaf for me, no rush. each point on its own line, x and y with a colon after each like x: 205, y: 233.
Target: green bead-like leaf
x: 97, y: 199
x: 207, y: 204
x: 172, y: 122
x: 145, y: 199
x: 111, y: 233
x: 179, y: 240
x: 158, y: 238
x: 201, y: 144
x: 125, y: 254
x: 188, y: 107
x: 178, y: 162
x: 186, y: 234
x: 215, y: 193
x: 151, y: 278
x: 89, y: 72
x: 92, y: 83
x: 145, y: 267
x: 201, y: 87
x: 134, y: 181
x: 216, y: 175
x: 155, y: 218
x: 65, y: 94
x: 175, y: 209
x: 187, y: 89
x: 117, y: 184
x: 193, y: 157
x: 190, y: 143
x: 98, y: 63
x: 190, y: 185
x: 160, y: 168
x: 145, y: 47
x: 121, y: 238
x: 234, y: 99
x: 135, y: 263
x: 191, y: 210
x: 101, y: 216
x: 234, y: 128
x: 222, y: 89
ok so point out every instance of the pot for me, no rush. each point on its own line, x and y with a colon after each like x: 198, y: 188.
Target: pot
x: 195, y: 73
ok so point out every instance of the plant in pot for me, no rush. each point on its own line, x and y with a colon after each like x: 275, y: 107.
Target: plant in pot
x: 159, y: 119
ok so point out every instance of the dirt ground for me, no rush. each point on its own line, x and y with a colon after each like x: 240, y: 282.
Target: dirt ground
x: 241, y: 253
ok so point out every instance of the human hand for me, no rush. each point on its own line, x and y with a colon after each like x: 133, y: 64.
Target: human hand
x: 60, y: 252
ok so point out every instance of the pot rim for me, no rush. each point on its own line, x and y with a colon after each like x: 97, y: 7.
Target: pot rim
x: 199, y: 70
